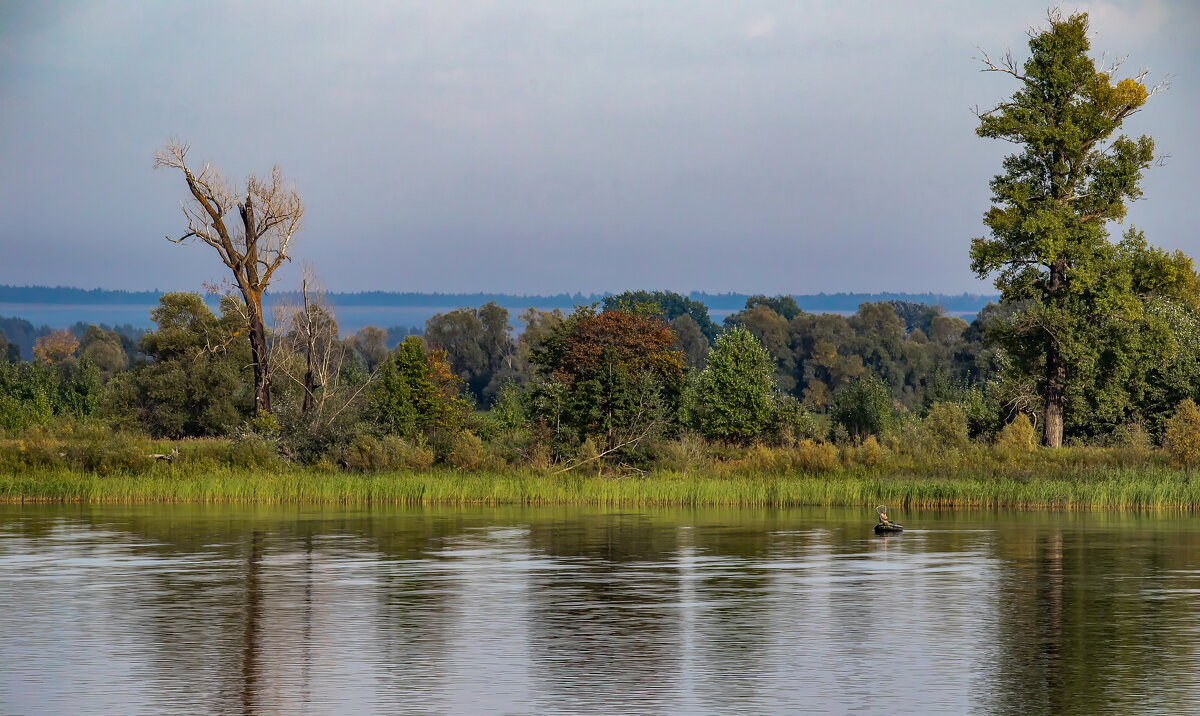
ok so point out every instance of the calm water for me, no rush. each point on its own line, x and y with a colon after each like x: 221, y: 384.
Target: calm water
x: 409, y: 610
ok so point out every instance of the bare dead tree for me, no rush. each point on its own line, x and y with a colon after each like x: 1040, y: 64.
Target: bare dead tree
x: 251, y: 228
x: 307, y: 350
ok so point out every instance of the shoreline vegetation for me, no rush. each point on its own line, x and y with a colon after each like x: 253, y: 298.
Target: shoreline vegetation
x: 642, y: 398
x: 1121, y: 489
x: 1075, y: 478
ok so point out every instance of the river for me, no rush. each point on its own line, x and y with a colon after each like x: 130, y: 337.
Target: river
x: 324, y: 610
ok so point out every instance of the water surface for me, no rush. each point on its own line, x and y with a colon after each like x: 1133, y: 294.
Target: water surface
x: 190, y: 609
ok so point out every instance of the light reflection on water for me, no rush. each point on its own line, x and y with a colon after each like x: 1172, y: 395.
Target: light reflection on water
x: 175, y: 609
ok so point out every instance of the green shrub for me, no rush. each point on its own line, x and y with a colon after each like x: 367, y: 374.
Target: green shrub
x: 816, y: 457
x: 1018, y: 435
x: 367, y: 453
x: 946, y: 425
x: 863, y: 407
x: 587, y: 458
x: 106, y: 451
x: 467, y: 452
x: 793, y: 422
x: 253, y: 452
x: 685, y: 452
x: 39, y: 448
x: 1183, y: 434
x: 1129, y: 436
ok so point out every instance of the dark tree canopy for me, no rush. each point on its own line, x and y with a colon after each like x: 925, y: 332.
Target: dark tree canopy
x: 668, y: 306
x: 478, y: 344
x: 785, y: 306
x: 611, y: 375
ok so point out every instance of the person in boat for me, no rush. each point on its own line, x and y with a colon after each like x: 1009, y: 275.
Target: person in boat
x: 885, y: 525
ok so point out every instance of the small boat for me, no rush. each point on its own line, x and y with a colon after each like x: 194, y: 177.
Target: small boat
x: 885, y: 526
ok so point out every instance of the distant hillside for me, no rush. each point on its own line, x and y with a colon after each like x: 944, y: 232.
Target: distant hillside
x: 60, y: 295
x: 27, y: 312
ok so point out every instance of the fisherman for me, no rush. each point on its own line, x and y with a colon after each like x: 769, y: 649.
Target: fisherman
x: 885, y: 525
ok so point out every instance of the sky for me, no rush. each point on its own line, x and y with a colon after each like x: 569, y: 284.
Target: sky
x: 545, y: 147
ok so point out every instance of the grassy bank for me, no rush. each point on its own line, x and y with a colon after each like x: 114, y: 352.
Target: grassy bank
x: 1146, y: 488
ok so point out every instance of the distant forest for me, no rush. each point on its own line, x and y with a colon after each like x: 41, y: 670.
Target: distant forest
x: 817, y: 302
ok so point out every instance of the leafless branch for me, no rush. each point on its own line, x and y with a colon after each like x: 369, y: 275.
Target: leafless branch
x: 594, y: 458
x: 1007, y: 65
x: 252, y: 246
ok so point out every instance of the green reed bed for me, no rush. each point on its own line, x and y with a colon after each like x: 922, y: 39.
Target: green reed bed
x: 1149, y: 488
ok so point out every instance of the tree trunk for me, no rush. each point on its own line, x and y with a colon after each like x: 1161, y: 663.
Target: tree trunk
x: 258, y: 354
x: 309, y: 386
x: 1056, y: 367
x: 310, y: 347
x: 1056, y: 378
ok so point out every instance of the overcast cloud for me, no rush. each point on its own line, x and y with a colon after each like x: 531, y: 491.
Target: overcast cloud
x: 789, y: 147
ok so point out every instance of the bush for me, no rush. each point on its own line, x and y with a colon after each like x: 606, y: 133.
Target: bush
x: 367, y: 453
x: 816, y: 457
x: 105, y: 452
x: 869, y: 453
x: 1018, y: 435
x: 1183, y: 434
x: 863, y: 407
x: 587, y: 458
x: 794, y: 423
x: 683, y: 453
x: 86, y: 448
x: 467, y: 452
x: 253, y: 452
x: 1130, y: 436
x: 763, y: 459
x: 946, y: 424
x: 38, y: 448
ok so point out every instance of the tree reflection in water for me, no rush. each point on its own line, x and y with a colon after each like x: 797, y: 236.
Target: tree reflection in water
x: 286, y: 609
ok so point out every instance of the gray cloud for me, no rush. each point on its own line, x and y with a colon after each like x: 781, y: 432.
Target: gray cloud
x: 541, y: 147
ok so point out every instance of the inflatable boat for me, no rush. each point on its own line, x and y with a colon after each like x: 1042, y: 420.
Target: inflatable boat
x: 883, y: 528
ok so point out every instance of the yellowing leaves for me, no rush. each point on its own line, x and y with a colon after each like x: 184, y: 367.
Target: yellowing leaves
x: 1131, y: 93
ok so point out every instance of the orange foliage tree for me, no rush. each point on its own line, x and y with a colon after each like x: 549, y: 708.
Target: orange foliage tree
x: 614, y: 375
x: 55, y: 347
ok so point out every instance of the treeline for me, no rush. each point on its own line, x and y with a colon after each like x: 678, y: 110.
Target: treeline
x: 20, y: 336
x: 612, y: 386
x: 820, y: 302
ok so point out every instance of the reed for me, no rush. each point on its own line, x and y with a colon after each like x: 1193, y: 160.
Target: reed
x: 1117, y: 488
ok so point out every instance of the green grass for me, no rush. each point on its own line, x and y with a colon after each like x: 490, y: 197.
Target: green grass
x: 1142, y: 488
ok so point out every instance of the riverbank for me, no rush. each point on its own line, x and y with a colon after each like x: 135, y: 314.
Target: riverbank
x: 1110, y: 489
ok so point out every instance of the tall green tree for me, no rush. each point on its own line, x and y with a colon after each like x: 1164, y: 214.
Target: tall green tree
x: 614, y: 376
x: 478, y: 344
x: 863, y: 407
x: 416, y: 393
x: 195, y: 384
x: 691, y: 341
x: 734, y: 400
x: 1049, y: 243
x: 104, y: 349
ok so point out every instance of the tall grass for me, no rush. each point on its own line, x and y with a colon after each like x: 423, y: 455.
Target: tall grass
x: 1145, y: 488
